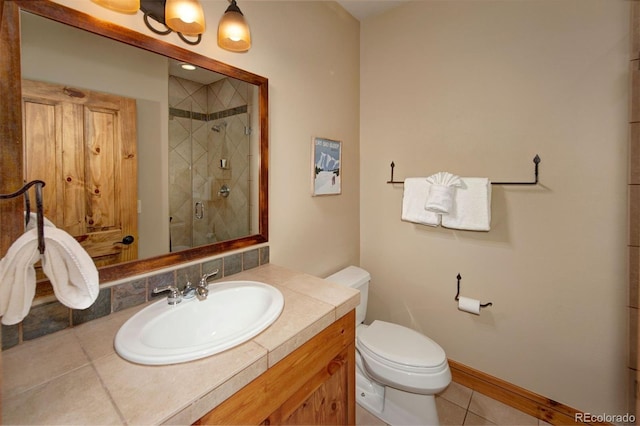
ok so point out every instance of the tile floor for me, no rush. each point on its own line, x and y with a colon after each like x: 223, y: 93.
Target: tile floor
x: 459, y: 405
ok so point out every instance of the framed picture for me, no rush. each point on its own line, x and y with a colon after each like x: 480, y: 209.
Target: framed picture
x: 326, y: 155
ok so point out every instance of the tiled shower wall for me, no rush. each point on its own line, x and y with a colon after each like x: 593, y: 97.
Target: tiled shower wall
x: 53, y: 316
x: 196, y: 174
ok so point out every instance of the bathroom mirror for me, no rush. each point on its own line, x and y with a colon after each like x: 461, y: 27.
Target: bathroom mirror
x: 209, y: 190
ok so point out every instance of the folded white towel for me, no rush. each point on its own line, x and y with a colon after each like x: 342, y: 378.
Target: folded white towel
x: 440, y: 199
x: 69, y: 267
x: 444, y: 178
x: 414, y: 198
x: 441, y: 193
x: 471, y: 206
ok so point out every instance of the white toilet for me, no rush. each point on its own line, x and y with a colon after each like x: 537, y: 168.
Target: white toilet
x: 399, y: 370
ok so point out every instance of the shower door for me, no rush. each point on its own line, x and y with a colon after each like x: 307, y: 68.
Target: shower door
x: 229, y: 173
x: 209, y: 163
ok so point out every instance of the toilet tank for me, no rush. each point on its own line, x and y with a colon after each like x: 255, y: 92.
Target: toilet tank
x: 357, y: 278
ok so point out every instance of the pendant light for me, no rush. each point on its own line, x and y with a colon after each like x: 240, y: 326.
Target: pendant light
x: 185, y: 16
x: 122, y: 6
x: 233, y: 30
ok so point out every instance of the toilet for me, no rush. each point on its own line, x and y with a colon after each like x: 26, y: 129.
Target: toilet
x: 399, y: 370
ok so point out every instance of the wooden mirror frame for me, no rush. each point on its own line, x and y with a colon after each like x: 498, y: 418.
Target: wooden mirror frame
x: 11, y: 144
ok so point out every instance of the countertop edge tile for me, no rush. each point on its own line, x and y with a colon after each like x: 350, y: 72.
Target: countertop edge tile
x: 223, y: 392
x: 279, y: 353
x: 347, y: 306
x: 160, y: 393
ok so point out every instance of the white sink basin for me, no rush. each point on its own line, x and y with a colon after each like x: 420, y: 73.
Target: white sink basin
x: 234, y: 312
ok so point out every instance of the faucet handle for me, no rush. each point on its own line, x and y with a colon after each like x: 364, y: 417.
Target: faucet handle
x: 203, y: 288
x: 174, y: 296
x: 205, y: 277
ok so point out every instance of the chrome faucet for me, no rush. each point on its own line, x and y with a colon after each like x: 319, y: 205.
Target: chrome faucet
x: 189, y: 291
x: 175, y: 296
x: 202, y: 291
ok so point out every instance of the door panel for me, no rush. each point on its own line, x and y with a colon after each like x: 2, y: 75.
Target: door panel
x: 83, y: 145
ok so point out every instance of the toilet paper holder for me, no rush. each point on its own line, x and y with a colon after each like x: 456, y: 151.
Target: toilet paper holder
x: 482, y: 305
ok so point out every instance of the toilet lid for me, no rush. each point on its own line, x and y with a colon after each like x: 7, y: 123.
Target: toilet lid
x: 401, y: 345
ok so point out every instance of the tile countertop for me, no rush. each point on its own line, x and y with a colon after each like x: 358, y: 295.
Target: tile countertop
x: 76, y: 377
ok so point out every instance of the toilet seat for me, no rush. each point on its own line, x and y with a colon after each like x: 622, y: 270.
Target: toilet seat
x: 401, y: 347
x: 403, y: 358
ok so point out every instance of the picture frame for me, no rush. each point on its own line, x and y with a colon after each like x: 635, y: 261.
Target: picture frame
x: 326, y: 167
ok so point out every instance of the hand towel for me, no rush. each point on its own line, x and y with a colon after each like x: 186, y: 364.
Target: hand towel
x: 33, y: 222
x: 73, y: 275
x: 18, y: 278
x: 69, y: 267
x: 414, y: 198
x: 471, y: 206
x: 441, y: 192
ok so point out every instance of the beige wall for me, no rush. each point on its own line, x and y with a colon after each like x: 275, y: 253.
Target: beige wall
x: 477, y: 89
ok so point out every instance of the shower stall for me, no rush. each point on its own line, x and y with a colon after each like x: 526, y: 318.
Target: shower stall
x: 209, y: 162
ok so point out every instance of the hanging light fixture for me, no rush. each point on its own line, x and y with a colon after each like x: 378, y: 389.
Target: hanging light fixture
x: 185, y: 17
x: 233, y: 30
x: 122, y: 6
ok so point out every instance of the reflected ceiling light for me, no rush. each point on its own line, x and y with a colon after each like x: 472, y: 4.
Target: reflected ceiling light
x: 185, y: 17
x: 122, y: 6
x: 233, y: 30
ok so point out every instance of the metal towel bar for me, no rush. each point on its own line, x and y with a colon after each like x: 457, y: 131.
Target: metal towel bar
x: 536, y: 161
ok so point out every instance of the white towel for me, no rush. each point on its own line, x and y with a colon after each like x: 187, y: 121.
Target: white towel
x: 33, y: 222
x: 413, y: 201
x: 441, y: 192
x: 471, y: 206
x: 72, y: 272
x: 18, y: 278
x: 69, y: 267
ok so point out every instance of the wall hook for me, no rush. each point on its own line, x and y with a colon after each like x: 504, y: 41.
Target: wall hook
x: 482, y: 305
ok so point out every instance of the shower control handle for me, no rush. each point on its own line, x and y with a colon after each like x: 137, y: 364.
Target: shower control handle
x: 224, y: 191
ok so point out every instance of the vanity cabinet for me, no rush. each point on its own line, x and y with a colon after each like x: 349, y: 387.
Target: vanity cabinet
x: 315, y: 384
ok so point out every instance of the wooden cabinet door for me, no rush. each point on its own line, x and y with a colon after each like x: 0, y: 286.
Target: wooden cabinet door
x: 328, y: 403
x: 82, y: 144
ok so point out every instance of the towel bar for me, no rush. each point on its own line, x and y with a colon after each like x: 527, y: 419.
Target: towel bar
x: 536, y: 161
x: 482, y: 305
x: 39, y: 208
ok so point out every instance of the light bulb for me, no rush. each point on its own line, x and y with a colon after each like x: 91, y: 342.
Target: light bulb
x: 185, y: 16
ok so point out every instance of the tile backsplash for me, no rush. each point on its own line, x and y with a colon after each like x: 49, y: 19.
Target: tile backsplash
x: 53, y: 316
